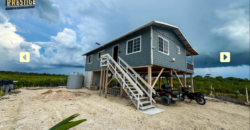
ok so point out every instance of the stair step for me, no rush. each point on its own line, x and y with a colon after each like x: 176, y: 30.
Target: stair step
x: 147, y: 107
x: 131, y: 87
x: 141, y: 98
x: 145, y: 102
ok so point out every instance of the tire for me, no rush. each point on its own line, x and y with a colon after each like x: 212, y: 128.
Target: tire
x: 165, y: 100
x: 200, y: 100
x: 183, y: 98
x: 173, y: 102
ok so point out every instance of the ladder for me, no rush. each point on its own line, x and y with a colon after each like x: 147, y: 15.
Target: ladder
x: 130, y: 82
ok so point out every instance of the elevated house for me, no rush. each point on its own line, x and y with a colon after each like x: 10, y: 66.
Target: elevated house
x: 156, y: 49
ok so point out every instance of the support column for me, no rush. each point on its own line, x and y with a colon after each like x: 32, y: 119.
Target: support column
x: 103, y: 80
x: 121, y: 88
x: 100, y: 86
x: 167, y: 78
x: 171, y: 79
x: 160, y: 83
x: 144, y: 77
x: 184, y: 80
x: 192, y: 59
x: 106, y: 85
x: 149, y: 79
x: 192, y: 85
x: 150, y: 75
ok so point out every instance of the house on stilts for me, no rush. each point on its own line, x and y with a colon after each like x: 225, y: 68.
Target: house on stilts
x: 156, y: 49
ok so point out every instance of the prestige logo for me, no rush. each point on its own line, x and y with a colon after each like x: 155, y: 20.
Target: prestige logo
x: 19, y: 4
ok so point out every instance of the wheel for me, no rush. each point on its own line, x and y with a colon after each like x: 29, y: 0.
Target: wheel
x: 173, y: 102
x: 200, y: 100
x: 165, y: 100
x: 183, y: 98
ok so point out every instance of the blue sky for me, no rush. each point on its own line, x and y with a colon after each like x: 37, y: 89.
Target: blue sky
x: 57, y: 33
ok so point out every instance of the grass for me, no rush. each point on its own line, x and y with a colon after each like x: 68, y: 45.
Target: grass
x: 1, y: 93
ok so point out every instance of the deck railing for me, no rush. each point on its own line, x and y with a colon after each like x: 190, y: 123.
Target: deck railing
x: 190, y: 67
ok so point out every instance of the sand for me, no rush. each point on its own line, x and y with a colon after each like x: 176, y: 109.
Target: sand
x: 40, y: 109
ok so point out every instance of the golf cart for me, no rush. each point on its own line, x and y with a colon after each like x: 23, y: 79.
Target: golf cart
x: 168, y: 95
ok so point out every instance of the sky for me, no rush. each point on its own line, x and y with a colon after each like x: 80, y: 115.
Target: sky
x: 58, y: 32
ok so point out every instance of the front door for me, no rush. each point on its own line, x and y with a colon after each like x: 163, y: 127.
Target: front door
x: 115, y: 53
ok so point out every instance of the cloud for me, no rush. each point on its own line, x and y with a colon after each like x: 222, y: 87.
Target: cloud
x: 91, y: 31
x: 62, y: 50
x: 231, y: 34
x: 48, y: 10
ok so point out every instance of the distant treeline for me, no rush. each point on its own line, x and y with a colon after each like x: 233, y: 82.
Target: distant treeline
x: 220, y: 85
x: 34, y: 79
x: 229, y: 85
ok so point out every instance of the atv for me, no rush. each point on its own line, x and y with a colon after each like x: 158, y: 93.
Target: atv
x: 168, y: 95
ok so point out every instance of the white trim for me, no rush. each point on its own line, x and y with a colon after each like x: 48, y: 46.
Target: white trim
x: 113, y: 51
x: 133, y: 45
x: 91, y: 58
x: 178, y: 49
x: 163, y: 45
x: 98, y: 54
x: 151, y: 44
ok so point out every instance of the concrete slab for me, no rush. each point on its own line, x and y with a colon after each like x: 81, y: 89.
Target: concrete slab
x: 151, y: 111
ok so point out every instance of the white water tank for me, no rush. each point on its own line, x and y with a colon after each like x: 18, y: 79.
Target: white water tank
x: 74, y: 80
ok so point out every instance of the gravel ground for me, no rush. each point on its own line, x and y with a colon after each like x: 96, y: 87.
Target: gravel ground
x: 40, y: 109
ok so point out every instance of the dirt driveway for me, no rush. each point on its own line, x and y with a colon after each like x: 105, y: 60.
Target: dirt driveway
x: 41, y: 109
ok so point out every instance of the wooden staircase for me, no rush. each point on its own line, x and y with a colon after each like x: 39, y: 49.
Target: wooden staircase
x: 129, y: 81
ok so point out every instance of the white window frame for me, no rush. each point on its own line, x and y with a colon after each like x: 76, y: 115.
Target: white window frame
x: 163, y: 45
x: 98, y: 54
x: 133, y: 45
x: 91, y: 58
x: 178, y: 50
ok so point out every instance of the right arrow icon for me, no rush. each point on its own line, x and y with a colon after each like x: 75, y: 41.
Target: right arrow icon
x: 225, y: 57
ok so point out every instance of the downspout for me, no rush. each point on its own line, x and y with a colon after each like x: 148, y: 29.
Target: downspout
x: 151, y: 44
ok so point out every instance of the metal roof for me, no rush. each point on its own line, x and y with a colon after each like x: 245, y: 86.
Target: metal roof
x: 190, y: 49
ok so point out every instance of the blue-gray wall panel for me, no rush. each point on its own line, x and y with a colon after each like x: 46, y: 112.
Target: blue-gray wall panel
x: 136, y: 59
x: 166, y: 60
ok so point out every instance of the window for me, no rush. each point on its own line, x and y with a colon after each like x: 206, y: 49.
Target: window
x: 178, y: 50
x: 134, y: 45
x: 90, y: 59
x: 100, y: 53
x: 163, y: 45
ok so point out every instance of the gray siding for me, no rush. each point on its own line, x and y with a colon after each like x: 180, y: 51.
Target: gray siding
x: 136, y: 59
x: 166, y: 60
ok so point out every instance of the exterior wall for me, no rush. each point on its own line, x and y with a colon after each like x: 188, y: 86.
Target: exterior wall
x: 136, y: 59
x: 167, y: 60
x: 87, y: 79
x: 97, y: 75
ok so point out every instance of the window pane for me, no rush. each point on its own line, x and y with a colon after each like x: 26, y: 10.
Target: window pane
x: 99, y: 55
x: 137, y: 44
x: 165, y: 46
x: 178, y: 50
x: 130, y: 46
x: 89, y: 59
x: 160, y: 44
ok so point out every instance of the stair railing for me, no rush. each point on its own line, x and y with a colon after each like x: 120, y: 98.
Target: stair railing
x: 107, y: 63
x: 137, y: 76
